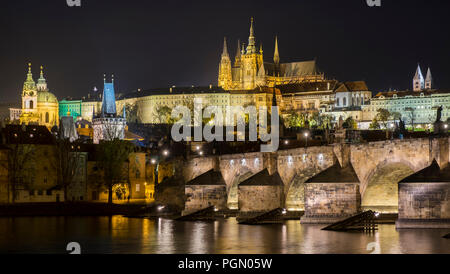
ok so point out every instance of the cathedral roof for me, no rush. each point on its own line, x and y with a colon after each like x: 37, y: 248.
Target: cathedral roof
x: 298, y: 69
x: 295, y: 69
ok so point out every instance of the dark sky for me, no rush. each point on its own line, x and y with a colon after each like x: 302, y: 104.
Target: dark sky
x: 152, y: 44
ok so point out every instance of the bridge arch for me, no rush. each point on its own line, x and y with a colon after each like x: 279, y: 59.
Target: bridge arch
x: 381, y: 191
x: 233, y: 200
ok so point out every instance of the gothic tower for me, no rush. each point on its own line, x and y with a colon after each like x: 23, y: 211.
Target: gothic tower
x: 428, y: 80
x: 251, y: 61
x: 418, y: 81
x: 225, y: 79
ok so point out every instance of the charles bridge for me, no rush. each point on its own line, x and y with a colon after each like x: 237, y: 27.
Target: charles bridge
x: 379, y: 167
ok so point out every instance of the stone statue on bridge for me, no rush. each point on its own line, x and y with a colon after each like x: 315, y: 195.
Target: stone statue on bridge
x: 439, y: 114
x: 438, y: 126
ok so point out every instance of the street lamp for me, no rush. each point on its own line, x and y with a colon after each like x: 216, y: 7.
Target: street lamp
x: 306, y: 139
x: 155, y: 161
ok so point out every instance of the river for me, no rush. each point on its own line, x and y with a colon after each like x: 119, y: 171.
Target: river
x: 116, y: 235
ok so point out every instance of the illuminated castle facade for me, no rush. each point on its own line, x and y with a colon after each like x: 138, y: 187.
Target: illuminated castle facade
x: 249, y: 70
x: 39, y: 105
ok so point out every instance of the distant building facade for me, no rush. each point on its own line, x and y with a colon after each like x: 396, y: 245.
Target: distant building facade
x: 417, y: 107
x: 68, y: 107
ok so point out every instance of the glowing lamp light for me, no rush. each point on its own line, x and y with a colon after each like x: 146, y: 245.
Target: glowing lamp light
x: 286, y: 142
x: 153, y: 161
x: 197, y: 148
x: 166, y: 152
x: 201, y: 152
x: 284, y: 211
x: 216, y: 209
x: 306, y: 134
x: 377, y: 214
x: 160, y: 208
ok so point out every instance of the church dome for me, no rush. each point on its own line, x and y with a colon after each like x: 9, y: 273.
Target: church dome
x: 46, y: 97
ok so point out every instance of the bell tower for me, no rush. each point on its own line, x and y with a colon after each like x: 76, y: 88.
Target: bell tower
x: 29, y: 92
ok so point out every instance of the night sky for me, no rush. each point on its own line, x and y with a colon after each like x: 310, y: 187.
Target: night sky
x: 153, y: 44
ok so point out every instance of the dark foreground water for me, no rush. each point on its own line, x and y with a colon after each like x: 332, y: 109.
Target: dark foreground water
x: 161, y: 236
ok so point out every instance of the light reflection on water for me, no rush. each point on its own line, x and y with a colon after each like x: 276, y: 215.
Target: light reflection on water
x: 161, y: 236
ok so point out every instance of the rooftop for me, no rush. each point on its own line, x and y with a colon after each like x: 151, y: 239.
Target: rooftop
x: 390, y: 94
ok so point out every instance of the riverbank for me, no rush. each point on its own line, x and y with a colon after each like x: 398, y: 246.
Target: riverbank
x: 72, y: 209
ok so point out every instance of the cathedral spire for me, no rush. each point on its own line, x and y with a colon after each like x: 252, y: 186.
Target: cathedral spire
x: 225, y: 48
x: 276, y: 55
x: 428, y: 80
x: 251, y: 48
x: 418, y: 81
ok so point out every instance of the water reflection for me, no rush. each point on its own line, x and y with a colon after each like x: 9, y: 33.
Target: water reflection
x: 162, y: 236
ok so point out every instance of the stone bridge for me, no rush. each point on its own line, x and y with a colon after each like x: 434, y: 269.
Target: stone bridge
x: 379, y: 166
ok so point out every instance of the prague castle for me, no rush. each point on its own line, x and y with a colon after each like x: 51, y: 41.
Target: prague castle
x: 299, y: 87
x: 250, y: 71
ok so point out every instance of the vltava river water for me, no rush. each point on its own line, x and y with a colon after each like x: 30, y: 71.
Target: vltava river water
x: 161, y: 236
